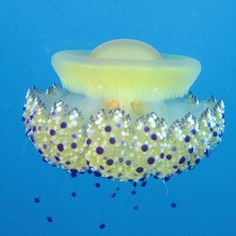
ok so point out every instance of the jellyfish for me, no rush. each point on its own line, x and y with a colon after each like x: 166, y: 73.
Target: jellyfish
x: 124, y: 112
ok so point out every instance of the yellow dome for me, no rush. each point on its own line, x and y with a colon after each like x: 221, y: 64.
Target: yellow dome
x: 126, y: 70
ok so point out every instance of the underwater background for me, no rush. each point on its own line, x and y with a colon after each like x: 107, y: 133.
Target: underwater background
x: 30, y: 32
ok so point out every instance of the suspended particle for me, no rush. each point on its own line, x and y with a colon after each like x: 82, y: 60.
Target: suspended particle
x: 144, y: 183
x: 49, y: 219
x: 73, y: 194
x: 37, y: 200
x: 102, y: 226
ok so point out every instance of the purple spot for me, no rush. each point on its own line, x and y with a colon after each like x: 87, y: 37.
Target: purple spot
x: 156, y: 176
x: 190, y: 167
x: 73, y: 145
x: 118, y: 125
x: 162, y: 155
x: 89, y: 141
x: 167, y: 178
x: 63, y: 125
x: 206, y: 152
x: 168, y: 157
x: 97, y: 173
x: 139, y: 169
x: 73, y: 194
x: 99, y: 150
x: 74, y: 136
x: 181, y: 160
x: 97, y: 185
x: 121, y: 159
x: 45, y: 159
x: 52, y: 132
x: 60, y: 147
x: 109, y: 162
x: 128, y: 162
x: 214, y: 134
x: 154, y: 136
x: 187, y: 139
x: 190, y: 150
x: 146, y: 129
x: 144, y: 148
x: 174, y: 149
x: 67, y: 162
x: 32, y: 139
x: 108, y: 128
x: 73, y: 172
x: 173, y: 205
x: 112, y: 140
x: 40, y: 151
x: 151, y: 160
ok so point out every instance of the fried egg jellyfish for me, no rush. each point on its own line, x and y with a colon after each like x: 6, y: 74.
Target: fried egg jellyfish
x: 124, y: 112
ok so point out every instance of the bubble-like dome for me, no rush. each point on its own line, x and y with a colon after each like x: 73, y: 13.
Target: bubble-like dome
x: 125, y: 49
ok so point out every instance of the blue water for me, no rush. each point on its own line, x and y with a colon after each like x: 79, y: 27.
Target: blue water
x: 30, y: 32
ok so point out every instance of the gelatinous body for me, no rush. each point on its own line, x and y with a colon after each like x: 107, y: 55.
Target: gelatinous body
x: 126, y: 117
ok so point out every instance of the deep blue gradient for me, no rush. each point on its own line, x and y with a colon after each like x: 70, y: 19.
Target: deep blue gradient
x: 30, y: 32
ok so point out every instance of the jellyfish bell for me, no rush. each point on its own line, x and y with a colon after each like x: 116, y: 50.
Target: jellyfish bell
x: 126, y: 70
x: 124, y: 112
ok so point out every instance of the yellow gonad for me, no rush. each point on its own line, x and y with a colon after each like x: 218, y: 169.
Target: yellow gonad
x: 124, y: 112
